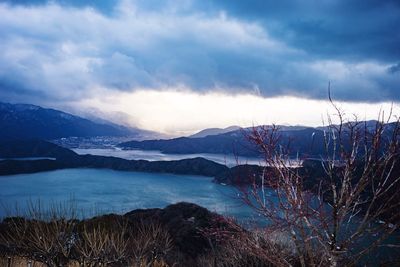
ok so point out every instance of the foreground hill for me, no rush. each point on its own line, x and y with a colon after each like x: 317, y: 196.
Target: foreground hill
x: 180, y: 235
x: 24, y: 121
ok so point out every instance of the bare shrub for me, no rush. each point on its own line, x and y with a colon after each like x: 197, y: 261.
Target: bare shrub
x: 341, y: 213
x: 103, y: 242
x: 232, y: 245
x: 149, y: 243
x: 116, y: 242
x: 54, y: 237
x: 47, y: 237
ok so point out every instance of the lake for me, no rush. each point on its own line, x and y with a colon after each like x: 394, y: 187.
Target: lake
x: 99, y: 191
x: 104, y: 191
x: 153, y: 155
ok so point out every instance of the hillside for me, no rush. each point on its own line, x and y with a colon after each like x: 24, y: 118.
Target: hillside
x: 299, y: 141
x: 24, y: 121
x: 304, y: 141
x: 227, y: 143
x: 61, y: 158
x: 177, y: 235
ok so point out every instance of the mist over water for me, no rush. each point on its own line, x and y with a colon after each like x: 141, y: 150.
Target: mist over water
x: 154, y: 155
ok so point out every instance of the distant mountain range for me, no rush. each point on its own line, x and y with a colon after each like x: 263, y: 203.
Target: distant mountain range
x: 305, y: 142
x: 24, y: 121
x: 233, y: 142
x: 214, y: 131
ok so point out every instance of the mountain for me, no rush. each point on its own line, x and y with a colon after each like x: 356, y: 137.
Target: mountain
x: 228, y: 143
x: 214, y: 131
x: 305, y: 142
x: 24, y: 121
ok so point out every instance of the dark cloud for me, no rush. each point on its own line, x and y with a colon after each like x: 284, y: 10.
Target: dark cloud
x: 350, y: 29
x: 354, y: 29
x: 61, y: 49
x: 395, y: 68
x: 345, y: 29
x: 103, y: 6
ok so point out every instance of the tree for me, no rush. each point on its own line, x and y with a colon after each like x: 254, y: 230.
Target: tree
x: 339, y: 208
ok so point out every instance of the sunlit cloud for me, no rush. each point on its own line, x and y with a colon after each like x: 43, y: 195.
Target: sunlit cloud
x: 183, y: 112
x: 59, y: 52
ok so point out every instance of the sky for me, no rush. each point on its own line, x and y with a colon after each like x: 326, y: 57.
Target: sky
x: 178, y: 66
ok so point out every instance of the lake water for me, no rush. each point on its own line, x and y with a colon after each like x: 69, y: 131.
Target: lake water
x: 29, y: 158
x: 102, y: 190
x: 99, y: 191
x: 153, y: 155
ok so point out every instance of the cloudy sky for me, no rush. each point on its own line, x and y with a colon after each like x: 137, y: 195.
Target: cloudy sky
x: 177, y: 66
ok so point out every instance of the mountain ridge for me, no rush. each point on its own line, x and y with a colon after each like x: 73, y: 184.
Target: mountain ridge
x: 299, y: 141
x: 26, y: 121
x: 214, y: 131
x: 64, y: 158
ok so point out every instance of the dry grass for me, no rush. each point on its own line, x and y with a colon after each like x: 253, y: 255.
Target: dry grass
x: 52, y: 239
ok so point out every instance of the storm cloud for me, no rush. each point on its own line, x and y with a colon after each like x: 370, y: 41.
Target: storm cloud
x: 62, y: 50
